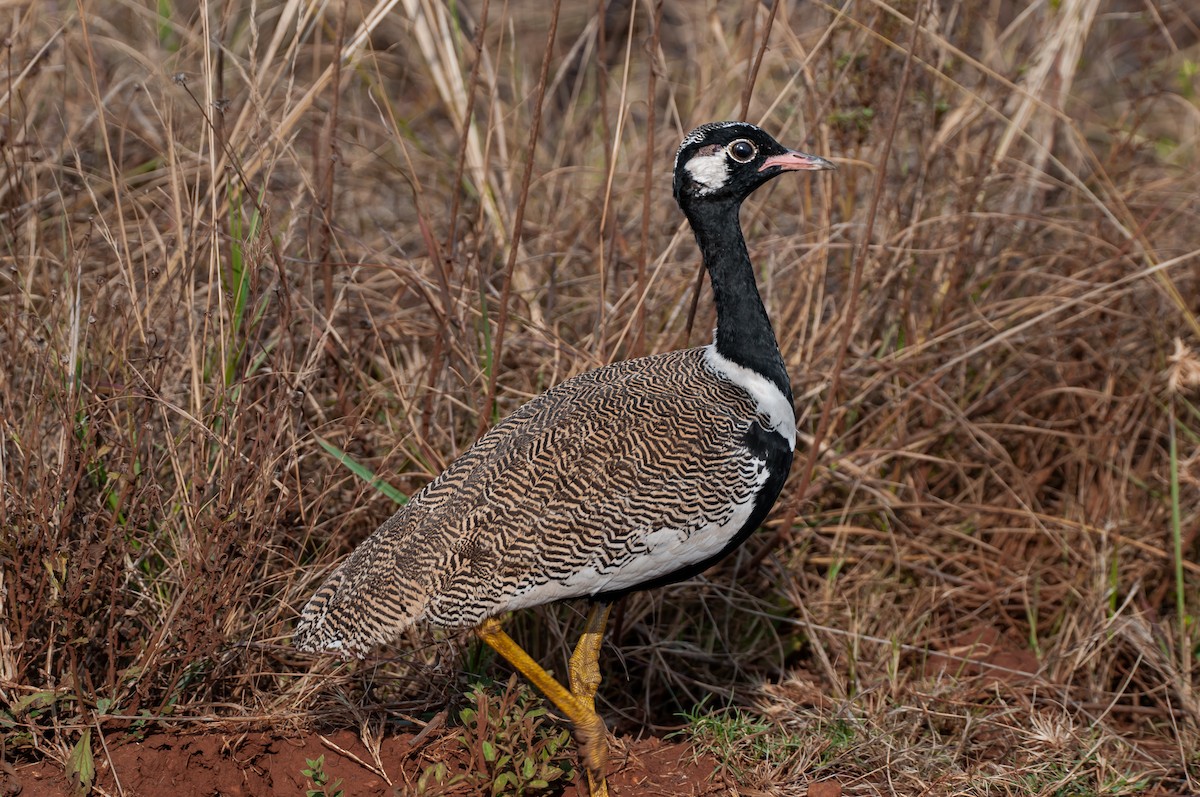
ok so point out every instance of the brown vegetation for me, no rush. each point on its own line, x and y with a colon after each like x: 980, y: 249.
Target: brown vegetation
x: 250, y: 256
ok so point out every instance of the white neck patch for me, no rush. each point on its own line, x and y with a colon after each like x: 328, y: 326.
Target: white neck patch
x: 710, y: 171
x: 769, y: 398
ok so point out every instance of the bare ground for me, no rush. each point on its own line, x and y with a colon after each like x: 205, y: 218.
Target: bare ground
x: 200, y: 765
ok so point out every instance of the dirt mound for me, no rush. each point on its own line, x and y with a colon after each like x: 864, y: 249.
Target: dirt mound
x: 232, y: 765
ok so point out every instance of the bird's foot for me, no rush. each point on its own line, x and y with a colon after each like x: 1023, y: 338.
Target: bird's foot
x: 583, y: 669
x: 592, y: 739
x: 597, y: 788
x: 583, y: 675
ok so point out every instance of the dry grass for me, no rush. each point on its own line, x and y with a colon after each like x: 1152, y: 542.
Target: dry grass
x: 245, y: 245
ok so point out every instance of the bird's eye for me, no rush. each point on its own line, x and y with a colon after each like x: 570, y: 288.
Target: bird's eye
x: 742, y: 151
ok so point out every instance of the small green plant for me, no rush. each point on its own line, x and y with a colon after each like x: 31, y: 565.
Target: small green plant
x: 514, y: 748
x: 318, y: 779
x: 81, y: 766
x: 438, y: 779
x: 840, y: 735
x: 32, y: 716
x: 734, y: 737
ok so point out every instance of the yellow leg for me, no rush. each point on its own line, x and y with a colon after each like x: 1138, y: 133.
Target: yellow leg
x: 584, y: 673
x: 590, y: 733
x: 584, y: 669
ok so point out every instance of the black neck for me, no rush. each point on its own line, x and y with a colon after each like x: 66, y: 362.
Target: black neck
x: 744, y: 335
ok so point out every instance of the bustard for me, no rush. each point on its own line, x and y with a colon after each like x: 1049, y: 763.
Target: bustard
x: 631, y: 476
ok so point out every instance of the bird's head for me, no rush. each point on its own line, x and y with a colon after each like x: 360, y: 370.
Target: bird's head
x: 729, y: 160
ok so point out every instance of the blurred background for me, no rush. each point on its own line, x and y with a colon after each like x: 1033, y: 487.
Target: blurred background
x: 266, y: 269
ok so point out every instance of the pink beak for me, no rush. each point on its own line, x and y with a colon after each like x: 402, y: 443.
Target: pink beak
x: 793, y: 161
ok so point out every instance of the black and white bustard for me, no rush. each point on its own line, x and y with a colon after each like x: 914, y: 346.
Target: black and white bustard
x: 631, y: 476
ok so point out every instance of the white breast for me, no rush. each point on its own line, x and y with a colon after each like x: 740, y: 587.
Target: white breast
x: 770, y: 399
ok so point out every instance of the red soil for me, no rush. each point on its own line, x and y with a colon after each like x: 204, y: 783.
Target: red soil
x: 201, y: 765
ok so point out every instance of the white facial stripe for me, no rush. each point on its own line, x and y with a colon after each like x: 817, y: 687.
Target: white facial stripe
x: 710, y: 171
x: 771, y: 401
x: 701, y: 133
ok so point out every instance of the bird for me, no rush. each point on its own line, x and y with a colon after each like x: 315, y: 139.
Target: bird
x: 627, y: 477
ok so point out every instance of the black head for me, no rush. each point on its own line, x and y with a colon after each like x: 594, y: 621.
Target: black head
x: 728, y: 160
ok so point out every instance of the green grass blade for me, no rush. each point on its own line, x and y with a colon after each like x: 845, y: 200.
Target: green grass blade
x: 364, y: 473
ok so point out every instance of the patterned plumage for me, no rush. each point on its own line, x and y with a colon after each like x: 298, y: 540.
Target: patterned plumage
x: 591, y: 489
x: 627, y: 477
